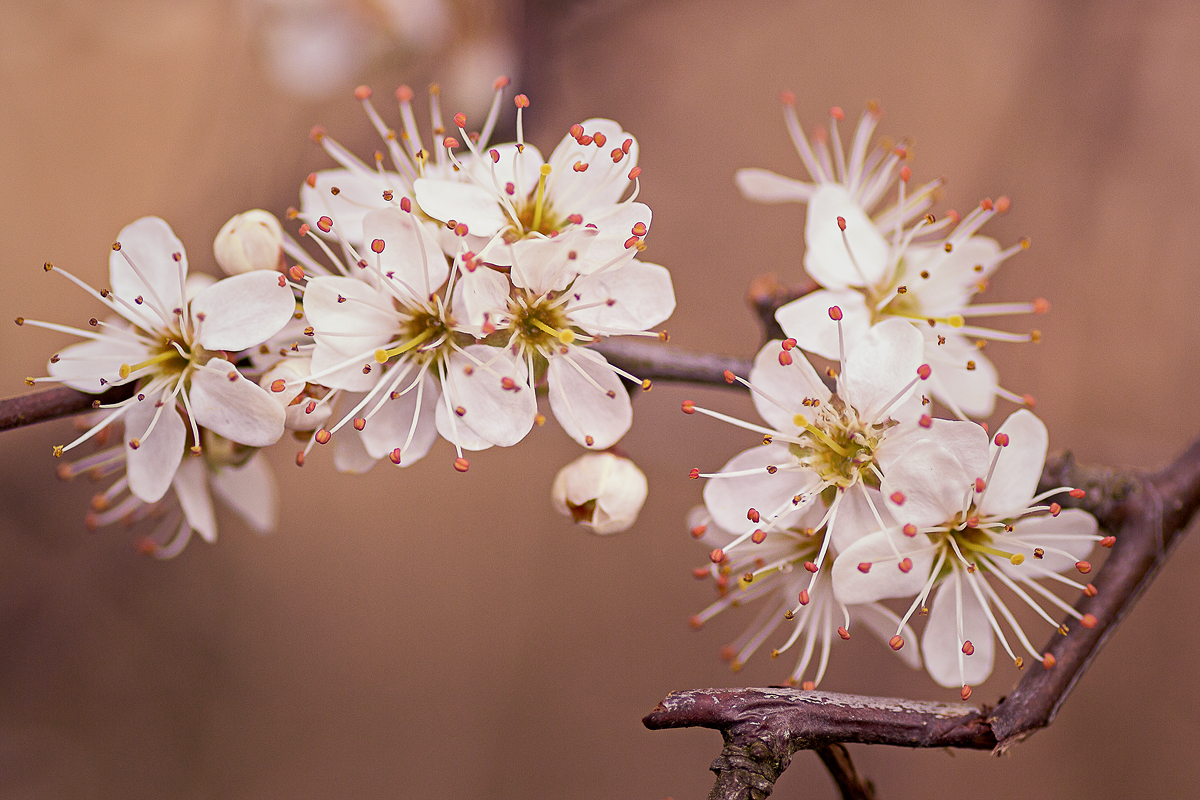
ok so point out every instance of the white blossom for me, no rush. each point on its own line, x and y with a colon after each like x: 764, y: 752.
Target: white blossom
x: 252, y: 240
x: 601, y: 491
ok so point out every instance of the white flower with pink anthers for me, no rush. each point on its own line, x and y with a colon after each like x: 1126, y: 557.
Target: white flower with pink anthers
x: 965, y: 515
x: 386, y: 340
x: 178, y: 342
x: 782, y: 569
x: 899, y: 263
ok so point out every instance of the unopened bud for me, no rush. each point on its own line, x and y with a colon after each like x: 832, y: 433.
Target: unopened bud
x: 601, y: 491
x: 251, y: 241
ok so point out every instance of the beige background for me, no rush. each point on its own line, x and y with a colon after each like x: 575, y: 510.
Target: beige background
x: 427, y: 634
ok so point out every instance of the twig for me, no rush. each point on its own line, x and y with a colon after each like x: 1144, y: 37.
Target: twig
x: 49, y: 404
x: 659, y: 362
x: 837, y: 760
x: 764, y: 727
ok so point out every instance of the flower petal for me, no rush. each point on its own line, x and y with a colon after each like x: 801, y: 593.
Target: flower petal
x: 764, y: 186
x: 827, y: 259
x: 782, y: 390
x: 1069, y: 533
x: 250, y: 490
x: 588, y: 399
x: 730, y: 499
x: 151, y: 245
x: 357, y: 193
x: 389, y: 428
x: 932, y: 482
x: 967, y: 441
x: 350, y: 321
x: 884, y: 579
x: 542, y: 265
x: 237, y: 409
x: 953, y: 277
x: 191, y: 487
x: 635, y: 297
x: 519, y: 165
x: 880, y: 366
x: 962, y: 375
x: 411, y: 257
x: 854, y: 518
x: 462, y: 202
x: 480, y: 296
x: 942, y: 643
x: 81, y: 366
x: 807, y: 321
x: 1019, y: 466
x: 475, y: 382
x: 152, y: 465
x: 603, y: 182
x: 612, y: 248
x: 240, y: 312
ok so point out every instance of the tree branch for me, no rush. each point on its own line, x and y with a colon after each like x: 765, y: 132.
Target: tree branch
x: 49, y: 404
x: 764, y: 727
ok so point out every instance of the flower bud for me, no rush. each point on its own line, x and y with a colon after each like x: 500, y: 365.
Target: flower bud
x: 600, y: 490
x: 250, y: 241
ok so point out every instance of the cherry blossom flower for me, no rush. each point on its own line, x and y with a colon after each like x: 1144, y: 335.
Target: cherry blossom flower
x: 601, y: 491
x: 176, y: 342
x: 969, y: 517
x: 898, y: 262
x: 780, y: 567
x: 386, y: 340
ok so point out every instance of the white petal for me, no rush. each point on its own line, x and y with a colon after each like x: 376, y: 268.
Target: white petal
x: 457, y: 431
x: 784, y: 388
x: 82, y: 365
x: 941, y: 642
x: 885, y: 578
x: 933, y: 483
x: 389, y: 428
x: 240, y: 312
x: 410, y: 255
x: 152, y: 465
x: 238, y: 409
x: 953, y: 278
x: 476, y: 294
x: 1019, y: 467
x: 602, y: 183
x: 250, y: 491
x: 500, y: 416
x: 191, y: 486
x: 729, y: 500
x: 358, y: 193
x: 640, y: 294
x: 462, y: 202
x: 520, y: 166
x: 615, y: 226
x: 543, y: 265
x: 854, y: 518
x: 347, y: 333
x: 149, y: 244
x: 1069, y: 532
x: 764, y: 186
x: 968, y: 441
x: 588, y: 399
x: 880, y: 366
x: 827, y: 260
x: 349, y: 453
x: 972, y: 390
x: 807, y: 321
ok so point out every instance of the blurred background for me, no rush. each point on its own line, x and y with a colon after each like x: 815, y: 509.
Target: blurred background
x: 419, y: 633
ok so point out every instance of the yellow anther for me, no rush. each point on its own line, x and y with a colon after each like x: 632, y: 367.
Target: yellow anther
x: 955, y: 320
x: 566, y: 336
x: 58, y: 450
x: 125, y: 370
x: 1016, y: 558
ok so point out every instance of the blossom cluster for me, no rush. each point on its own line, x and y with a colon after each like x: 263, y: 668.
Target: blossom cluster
x: 859, y: 492
x: 451, y: 285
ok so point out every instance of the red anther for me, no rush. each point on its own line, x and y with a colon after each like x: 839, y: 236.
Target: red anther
x: 909, y: 530
x: 905, y: 173
x: 576, y: 131
x: 282, y: 283
x: 584, y: 140
x: 845, y: 634
x: 1088, y: 621
x: 925, y: 421
x: 811, y: 567
x: 965, y: 694
x: 359, y: 423
x: 625, y: 145
x: 460, y: 120
x: 980, y: 484
x: 842, y: 223
x: 803, y: 597
x: 987, y: 204
x: 633, y: 173
x: 362, y: 92
x: 461, y: 464
x: 753, y: 515
x: 698, y: 531
x: 449, y: 143
x: 500, y: 82
x: 1083, y: 567
x: 837, y: 113
x: 717, y: 556
x: 694, y: 473
x: 1077, y: 493
x: 700, y: 573
x: 953, y: 216
x: 233, y: 374
x: 758, y: 537
x: 325, y: 224
x: 311, y: 407
x: 377, y: 245
x: 968, y: 648
x: 579, y: 166
x: 1108, y: 541
x: 1090, y: 590
x: 461, y: 229
x: 722, y: 583
x: 835, y: 313
x: 521, y: 101
x: 896, y: 642
x: 317, y: 133
x: 575, y: 219
x: 395, y: 456
x: 1002, y: 439
x: 984, y: 425
x: 599, y: 139
x: 900, y: 151
x: 785, y: 358
x: 631, y: 242
x: 1041, y: 305
x: 1055, y: 509
x: 617, y: 154
x: 323, y: 436
x: 729, y: 376
x: 905, y: 565
x: 1048, y: 661
x: 639, y: 229
x: 897, y: 498
x: 924, y: 371
x: 508, y: 384
x: 689, y: 407
x: 972, y: 522
x: 510, y: 188
x: 864, y: 567
x: 695, y: 622
x: 311, y: 180
x: 1003, y: 204
x: 278, y: 385
x: 304, y: 229
x: 300, y: 458
x: 297, y: 272
x: 787, y: 98
x: 788, y: 344
x: 403, y: 93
